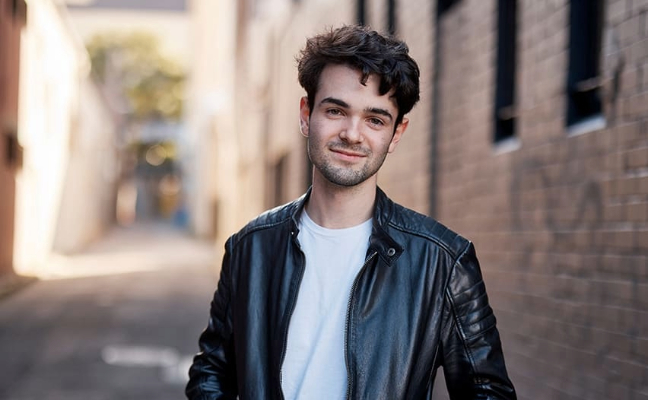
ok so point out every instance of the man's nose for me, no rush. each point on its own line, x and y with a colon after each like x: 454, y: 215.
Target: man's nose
x: 352, y: 131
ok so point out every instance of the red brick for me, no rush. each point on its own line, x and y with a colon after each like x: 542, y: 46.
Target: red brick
x: 616, y: 10
x: 614, y: 213
x: 641, y: 347
x: 630, y: 81
x: 641, y: 395
x: 637, y: 158
x: 617, y: 391
x: 639, y: 6
x: 642, y: 239
x: 638, y: 50
x: 637, y: 212
x: 642, y: 185
x: 566, y: 273
x: 630, y: 30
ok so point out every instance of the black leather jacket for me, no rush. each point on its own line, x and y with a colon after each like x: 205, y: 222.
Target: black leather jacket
x: 418, y: 303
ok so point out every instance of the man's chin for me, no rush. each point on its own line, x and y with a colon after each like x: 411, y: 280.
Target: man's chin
x: 345, y: 180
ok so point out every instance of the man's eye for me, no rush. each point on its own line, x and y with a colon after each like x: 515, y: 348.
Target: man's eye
x: 376, y: 121
x: 333, y: 111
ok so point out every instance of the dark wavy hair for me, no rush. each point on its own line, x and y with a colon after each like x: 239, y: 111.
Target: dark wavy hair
x: 368, y: 51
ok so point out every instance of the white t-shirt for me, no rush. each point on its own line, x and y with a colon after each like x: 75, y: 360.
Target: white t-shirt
x: 314, y: 366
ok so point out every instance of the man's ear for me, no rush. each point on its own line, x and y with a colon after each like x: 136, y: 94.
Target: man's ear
x: 398, y: 134
x: 304, y: 116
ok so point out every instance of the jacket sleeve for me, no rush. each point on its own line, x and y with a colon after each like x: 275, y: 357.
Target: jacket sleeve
x: 473, y: 362
x: 213, y: 372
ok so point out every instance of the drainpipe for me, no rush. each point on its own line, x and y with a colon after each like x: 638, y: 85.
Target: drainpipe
x: 434, y: 128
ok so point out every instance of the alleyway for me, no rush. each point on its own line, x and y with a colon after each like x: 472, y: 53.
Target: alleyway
x: 120, y: 321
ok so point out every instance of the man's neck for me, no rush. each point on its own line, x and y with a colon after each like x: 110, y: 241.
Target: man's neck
x: 336, y: 207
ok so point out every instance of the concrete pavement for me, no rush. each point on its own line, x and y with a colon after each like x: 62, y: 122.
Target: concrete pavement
x: 120, y: 321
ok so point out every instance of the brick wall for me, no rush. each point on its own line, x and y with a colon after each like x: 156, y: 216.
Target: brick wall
x: 560, y: 221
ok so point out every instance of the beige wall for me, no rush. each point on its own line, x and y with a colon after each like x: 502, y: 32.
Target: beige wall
x: 212, y: 143
x: 90, y: 183
x: 67, y: 137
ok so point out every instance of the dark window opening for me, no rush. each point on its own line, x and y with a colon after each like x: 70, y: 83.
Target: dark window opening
x: 505, y: 113
x: 391, y: 17
x: 280, y: 172
x: 308, y: 179
x: 361, y: 12
x: 19, y: 11
x: 13, y: 151
x: 10, y: 151
x: 445, y: 5
x: 583, y: 80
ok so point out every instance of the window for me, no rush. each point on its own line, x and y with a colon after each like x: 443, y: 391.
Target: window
x: 361, y: 12
x: 505, y: 71
x: 445, y: 5
x: 308, y: 179
x: 19, y: 11
x: 280, y: 175
x: 391, y: 17
x: 583, y: 81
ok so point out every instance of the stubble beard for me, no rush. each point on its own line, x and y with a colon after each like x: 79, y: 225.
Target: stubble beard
x: 344, y: 176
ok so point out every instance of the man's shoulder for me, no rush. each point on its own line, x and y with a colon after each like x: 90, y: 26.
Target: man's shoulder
x: 269, y: 219
x: 411, y: 222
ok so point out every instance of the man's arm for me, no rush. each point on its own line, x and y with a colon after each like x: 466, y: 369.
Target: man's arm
x: 213, y: 372
x: 473, y: 363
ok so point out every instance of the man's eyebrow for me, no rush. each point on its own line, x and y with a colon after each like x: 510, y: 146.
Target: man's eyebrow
x: 335, y: 101
x: 380, y: 111
x: 372, y: 110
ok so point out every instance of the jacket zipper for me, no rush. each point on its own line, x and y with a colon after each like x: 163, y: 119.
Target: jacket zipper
x: 290, y: 313
x: 346, y: 325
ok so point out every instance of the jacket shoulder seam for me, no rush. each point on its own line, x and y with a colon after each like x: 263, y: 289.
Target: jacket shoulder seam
x: 453, y: 255
x: 252, y: 228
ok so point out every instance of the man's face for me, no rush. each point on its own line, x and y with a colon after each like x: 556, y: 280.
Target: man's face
x: 350, y: 129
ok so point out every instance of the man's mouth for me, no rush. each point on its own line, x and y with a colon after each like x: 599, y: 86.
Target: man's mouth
x: 347, y: 152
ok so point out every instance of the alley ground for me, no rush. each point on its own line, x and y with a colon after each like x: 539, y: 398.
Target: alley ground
x: 118, y: 322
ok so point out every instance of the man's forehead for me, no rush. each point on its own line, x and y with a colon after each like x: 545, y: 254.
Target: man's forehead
x: 343, y: 77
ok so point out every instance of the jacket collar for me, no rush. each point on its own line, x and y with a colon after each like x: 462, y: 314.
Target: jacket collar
x: 380, y: 241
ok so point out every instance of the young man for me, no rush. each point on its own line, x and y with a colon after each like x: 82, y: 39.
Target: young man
x: 343, y: 294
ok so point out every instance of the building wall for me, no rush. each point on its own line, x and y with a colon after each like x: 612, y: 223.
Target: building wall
x: 11, y: 23
x: 88, y: 197
x: 559, y: 218
x: 66, y: 187
x: 212, y: 182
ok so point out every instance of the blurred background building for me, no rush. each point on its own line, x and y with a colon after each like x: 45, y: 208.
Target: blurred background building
x: 531, y: 139
x: 13, y: 16
x: 58, y: 171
